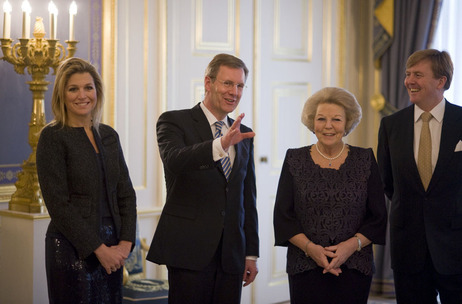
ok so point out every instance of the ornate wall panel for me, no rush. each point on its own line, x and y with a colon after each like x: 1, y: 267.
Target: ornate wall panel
x: 197, y: 90
x: 215, y: 26
x: 136, y: 70
x: 293, y: 30
x: 288, y: 101
x: 139, y: 92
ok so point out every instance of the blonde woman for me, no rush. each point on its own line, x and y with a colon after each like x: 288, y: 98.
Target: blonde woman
x: 87, y: 190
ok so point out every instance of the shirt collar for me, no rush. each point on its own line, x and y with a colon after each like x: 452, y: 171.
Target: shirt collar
x: 437, y: 112
x: 210, y: 117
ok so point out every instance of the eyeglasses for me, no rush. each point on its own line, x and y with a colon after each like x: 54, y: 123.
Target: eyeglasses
x: 230, y: 85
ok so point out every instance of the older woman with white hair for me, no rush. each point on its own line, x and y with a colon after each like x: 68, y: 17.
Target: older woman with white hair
x: 330, y: 206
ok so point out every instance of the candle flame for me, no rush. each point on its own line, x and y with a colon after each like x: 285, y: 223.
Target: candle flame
x: 52, y: 8
x: 7, y: 7
x: 73, y: 8
x: 26, y: 7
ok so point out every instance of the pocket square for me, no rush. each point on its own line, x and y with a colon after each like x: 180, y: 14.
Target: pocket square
x: 458, y: 146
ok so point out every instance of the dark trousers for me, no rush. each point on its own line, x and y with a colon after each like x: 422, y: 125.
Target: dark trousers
x: 208, y: 286
x: 423, y: 287
x: 314, y: 287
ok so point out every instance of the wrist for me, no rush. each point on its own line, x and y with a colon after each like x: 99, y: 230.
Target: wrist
x: 224, y: 145
x: 359, y: 243
x: 306, y: 248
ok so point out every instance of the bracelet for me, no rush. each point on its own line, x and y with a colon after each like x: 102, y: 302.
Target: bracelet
x: 359, y: 242
x: 306, y: 248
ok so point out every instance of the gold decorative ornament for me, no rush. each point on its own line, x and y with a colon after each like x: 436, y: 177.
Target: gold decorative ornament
x: 38, y: 55
x: 378, y: 102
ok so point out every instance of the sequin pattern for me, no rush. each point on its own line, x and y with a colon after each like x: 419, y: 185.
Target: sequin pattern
x: 82, y: 281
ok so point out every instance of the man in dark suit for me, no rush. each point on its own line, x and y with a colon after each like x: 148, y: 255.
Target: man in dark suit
x: 208, y: 231
x: 426, y: 208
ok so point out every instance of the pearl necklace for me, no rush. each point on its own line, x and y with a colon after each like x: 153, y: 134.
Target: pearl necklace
x: 330, y: 159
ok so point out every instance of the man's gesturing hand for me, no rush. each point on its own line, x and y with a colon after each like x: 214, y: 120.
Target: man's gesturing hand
x: 234, y: 134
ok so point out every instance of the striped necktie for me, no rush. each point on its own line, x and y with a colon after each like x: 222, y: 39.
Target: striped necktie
x: 225, y: 161
x: 424, y: 158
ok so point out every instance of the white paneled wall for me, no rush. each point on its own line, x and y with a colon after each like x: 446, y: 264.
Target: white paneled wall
x: 162, y: 48
x: 135, y: 85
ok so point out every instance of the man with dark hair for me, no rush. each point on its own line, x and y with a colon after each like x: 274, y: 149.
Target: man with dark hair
x: 208, y: 231
x: 420, y: 159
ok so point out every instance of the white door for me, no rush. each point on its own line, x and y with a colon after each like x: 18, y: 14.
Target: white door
x: 290, y: 68
x: 197, y: 31
x: 284, y: 45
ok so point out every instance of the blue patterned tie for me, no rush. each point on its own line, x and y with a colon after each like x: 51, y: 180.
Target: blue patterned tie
x: 225, y: 161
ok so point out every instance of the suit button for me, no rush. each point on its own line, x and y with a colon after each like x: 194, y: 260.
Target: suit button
x: 223, y: 213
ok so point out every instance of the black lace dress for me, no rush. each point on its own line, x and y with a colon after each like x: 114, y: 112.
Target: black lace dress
x: 329, y: 206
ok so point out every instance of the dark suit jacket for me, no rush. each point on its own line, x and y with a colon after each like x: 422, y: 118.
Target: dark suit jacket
x: 422, y: 219
x: 201, y: 207
x: 70, y: 180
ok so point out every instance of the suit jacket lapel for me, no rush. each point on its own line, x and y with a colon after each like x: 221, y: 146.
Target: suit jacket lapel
x: 201, y: 123
x: 405, y: 143
x: 203, y: 129
x: 449, y: 138
x: 408, y: 145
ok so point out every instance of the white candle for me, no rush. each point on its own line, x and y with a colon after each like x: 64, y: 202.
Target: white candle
x: 26, y: 9
x: 72, y: 13
x: 6, y: 19
x: 53, y: 10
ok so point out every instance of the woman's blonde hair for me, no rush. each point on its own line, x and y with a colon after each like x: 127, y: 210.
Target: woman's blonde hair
x: 66, y: 69
x: 337, y: 96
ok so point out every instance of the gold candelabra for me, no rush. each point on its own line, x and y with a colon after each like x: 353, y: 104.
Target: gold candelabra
x: 38, y: 55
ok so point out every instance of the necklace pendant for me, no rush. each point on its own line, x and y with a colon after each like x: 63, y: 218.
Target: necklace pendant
x: 330, y: 159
